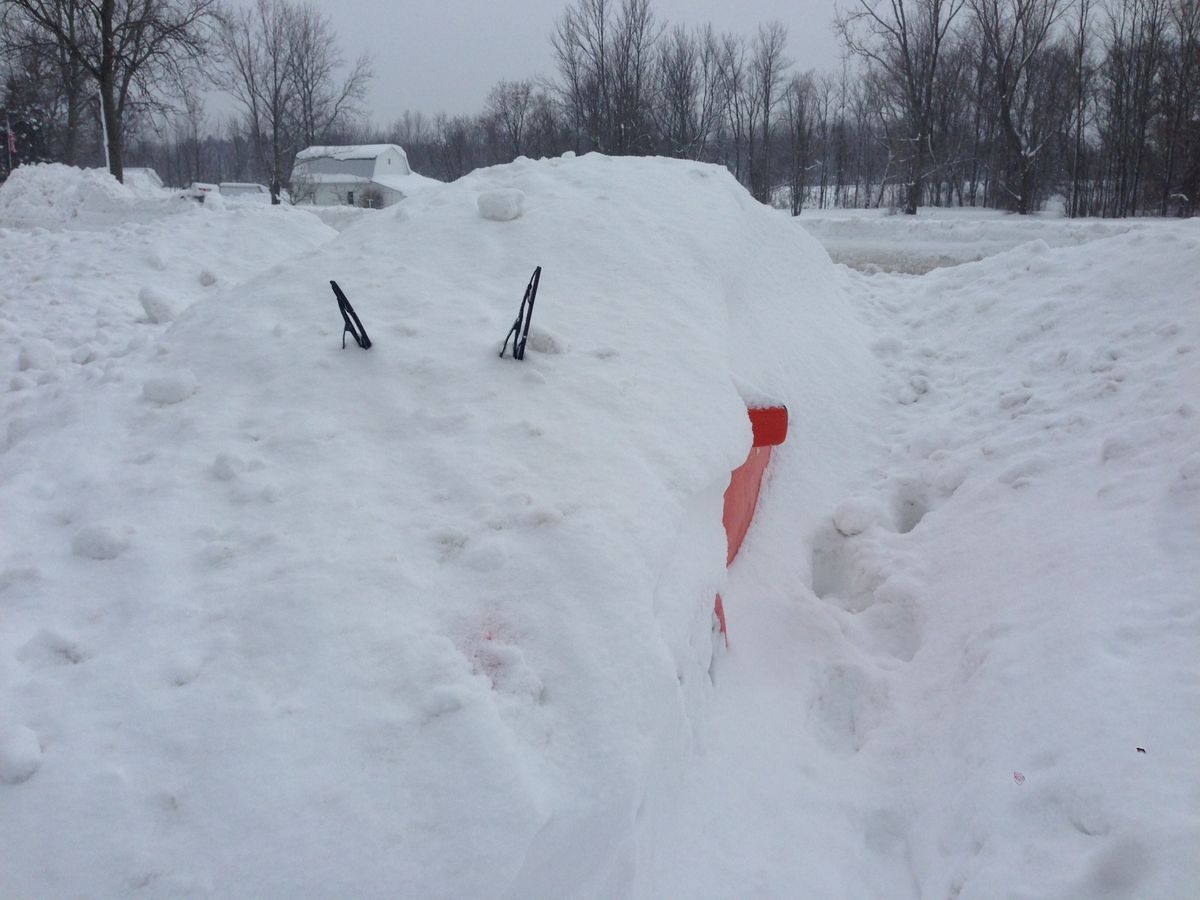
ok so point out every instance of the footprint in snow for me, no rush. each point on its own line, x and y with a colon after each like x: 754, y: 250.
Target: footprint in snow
x: 1020, y: 474
x: 100, y: 542
x: 909, y: 505
x: 20, y: 753
x: 848, y: 705
x: 49, y: 649
x: 845, y: 571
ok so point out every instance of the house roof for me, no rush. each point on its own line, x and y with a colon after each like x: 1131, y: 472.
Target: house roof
x: 361, y: 151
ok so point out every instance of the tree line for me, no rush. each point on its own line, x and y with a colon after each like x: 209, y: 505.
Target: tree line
x: 1005, y: 104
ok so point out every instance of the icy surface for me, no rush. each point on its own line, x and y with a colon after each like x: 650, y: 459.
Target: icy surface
x: 282, y: 619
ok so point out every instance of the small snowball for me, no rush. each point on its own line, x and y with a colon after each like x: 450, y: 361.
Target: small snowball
x: 20, y: 753
x: 173, y: 388
x: 158, y: 308
x: 501, y: 205
x: 36, y: 354
x: 99, y: 542
x: 856, y: 515
x: 207, y: 277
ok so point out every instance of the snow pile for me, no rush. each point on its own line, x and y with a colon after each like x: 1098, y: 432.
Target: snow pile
x: 97, y: 278
x: 415, y: 621
x: 50, y: 194
x: 283, y: 619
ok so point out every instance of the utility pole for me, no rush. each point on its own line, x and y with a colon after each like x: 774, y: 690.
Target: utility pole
x: 9, y: 140
x: 104, y: 129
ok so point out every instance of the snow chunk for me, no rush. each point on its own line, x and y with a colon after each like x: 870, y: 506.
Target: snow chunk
x: 159, y: 309
x: 856, y: 515
x: 502, y: 205
x: 99, y: 542
x: 20, y: 753
x: 83, y: 354
x: 173, y: 388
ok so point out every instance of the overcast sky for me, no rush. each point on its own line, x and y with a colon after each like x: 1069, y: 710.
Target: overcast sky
x: 444, y: 55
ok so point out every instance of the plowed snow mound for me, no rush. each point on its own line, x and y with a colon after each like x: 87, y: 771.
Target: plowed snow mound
x: 50, y: 194
x: 415, y: 621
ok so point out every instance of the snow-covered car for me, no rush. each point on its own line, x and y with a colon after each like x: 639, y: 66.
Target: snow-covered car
x: 246, y: 191
x: 199, y: 190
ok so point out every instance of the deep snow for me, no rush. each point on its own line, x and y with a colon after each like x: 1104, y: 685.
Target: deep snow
x: 282, y: 619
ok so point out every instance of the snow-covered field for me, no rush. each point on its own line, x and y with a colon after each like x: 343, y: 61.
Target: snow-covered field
x: 279, y: 619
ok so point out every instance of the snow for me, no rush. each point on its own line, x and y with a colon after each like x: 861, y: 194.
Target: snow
x: 282, y: 619
x: 882, y: 240
x: 501, y: 205
x: 358, y: 151
x: 408, y: 185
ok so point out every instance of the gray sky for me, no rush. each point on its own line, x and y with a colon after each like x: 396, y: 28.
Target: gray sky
x: 444, y: 55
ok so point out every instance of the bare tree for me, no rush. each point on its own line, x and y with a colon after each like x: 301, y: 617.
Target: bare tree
x: 1180, y: 133
x: 1132, y: 68
x: 798, y: 101
x: 128, y: 48
x: 45, y: 67
x: 905, y: 40
x: 581, y: 43
x: 605, y: 60
x: 323, y: 99
x: 1015, y: 34
x: 633, y: 53
x: 281, y: 67
x: 510, y: 105
x: 767, y: 72
x: 259, y: 49
x: 738, y: 112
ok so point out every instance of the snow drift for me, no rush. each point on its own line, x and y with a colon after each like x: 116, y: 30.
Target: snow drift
x: 415, y: 621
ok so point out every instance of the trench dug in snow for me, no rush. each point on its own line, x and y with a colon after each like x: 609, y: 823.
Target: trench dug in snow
x: 422, y: 621
x: 997, y: 621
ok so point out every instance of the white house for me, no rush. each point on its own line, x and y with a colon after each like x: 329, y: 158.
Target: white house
x: 373, y: 175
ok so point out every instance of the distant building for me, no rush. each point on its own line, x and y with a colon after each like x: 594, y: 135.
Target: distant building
x: 370, y: 175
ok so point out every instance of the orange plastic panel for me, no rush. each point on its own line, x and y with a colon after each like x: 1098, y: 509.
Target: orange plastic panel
x: 770, y: 424
x: 742, y: 496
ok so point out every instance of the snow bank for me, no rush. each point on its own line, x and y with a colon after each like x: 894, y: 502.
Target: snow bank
x: 984, y: 682
x: 93, y: 269
x: 419, y: 620
x: 50, y: 194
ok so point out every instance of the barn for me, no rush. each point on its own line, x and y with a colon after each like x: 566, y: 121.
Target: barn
x: 369, y: 175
